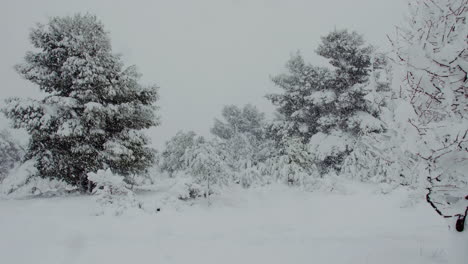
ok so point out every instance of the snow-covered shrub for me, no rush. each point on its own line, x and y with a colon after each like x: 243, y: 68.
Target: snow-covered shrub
x: 21, y: 182
x: 44, y: 187
x: 241, y: 150
x: 172, y: 158
x: 18, y: 177
x: 242, y: 135
x: 329, y: 150
x: 94, y: 110
x: 244, y: 154
x: 285, y: 170
x: 382, y: 72
x: 113, y: 194
x: 190, y: 190
x: 206, y: 163
x: 378, y: 158
x: 294, y: 166
x: 250, y: 176
x: 11, y: 153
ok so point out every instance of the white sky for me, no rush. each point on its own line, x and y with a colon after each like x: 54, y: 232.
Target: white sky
x: 203, y: 54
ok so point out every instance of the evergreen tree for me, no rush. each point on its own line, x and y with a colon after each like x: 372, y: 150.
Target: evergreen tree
x: 298, y: 113
x: 319, y: 101
x: 245, y: 120
x: 349, y: 54
x: 94, y: 110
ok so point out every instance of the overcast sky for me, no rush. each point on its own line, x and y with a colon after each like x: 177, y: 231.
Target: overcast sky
x: 202, y: 53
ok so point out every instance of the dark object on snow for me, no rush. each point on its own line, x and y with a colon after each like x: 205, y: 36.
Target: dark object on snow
x: 158, y: 209
x: 460, y: 225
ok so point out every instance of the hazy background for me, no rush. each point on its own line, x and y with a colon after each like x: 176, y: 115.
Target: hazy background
x: 203, y: 54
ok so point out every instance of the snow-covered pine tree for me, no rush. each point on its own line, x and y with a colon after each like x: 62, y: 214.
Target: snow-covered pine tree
x: 245, y: 120
x: 353, y: 109
x: 349, y: 54
x: 94, y: 110
x: 433, y: 49
x: 336, y: 103
x: 297, y: 114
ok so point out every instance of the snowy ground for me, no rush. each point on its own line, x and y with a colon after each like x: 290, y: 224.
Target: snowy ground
x: 273, y: 225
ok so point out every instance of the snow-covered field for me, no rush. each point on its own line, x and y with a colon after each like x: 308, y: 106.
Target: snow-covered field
x: 267, y: 225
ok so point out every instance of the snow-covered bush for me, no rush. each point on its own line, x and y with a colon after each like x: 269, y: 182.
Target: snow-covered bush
x: 21, y: 182
x: 293, y: 166
x: 206, y: 163
x: 18, y: 177
x: 251, y: 176
x: 242, y: 135
x: 241, y: 151
x: 378, y: 158
x: 172, y: 158
x: 329, y: 150
x: 113, y: 195
x: 11, y: 153
x: 285, y: 170
x: 95, y: 109
x: 297, y: 152
x: 189, y: 189
x: 200, y: 166
x: 382, y: 72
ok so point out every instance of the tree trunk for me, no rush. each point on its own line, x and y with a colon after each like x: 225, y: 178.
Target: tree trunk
x: 89, y: 186
x: 458, y: 247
